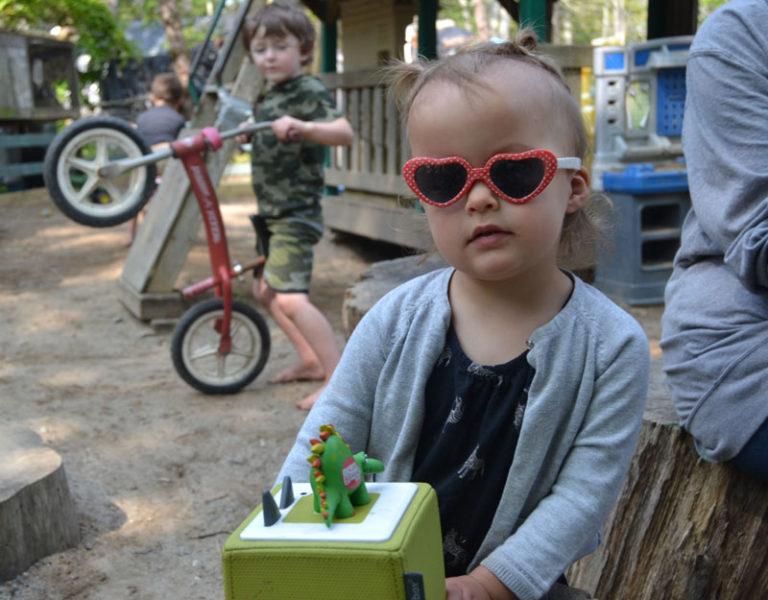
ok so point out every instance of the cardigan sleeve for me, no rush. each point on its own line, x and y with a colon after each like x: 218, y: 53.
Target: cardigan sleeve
x: 604, y: 423
x: 347, y: 401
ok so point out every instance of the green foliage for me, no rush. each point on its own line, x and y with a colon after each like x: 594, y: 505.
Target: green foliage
x: 589, y: 20
x: 707, y: 7
x: 90, y: 24
x: 148, y: 11
x: 585, y: 20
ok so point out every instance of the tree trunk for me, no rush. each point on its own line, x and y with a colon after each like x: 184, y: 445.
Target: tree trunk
x: 481, y: 20
x: 177, y: 47
x: 682, y: 528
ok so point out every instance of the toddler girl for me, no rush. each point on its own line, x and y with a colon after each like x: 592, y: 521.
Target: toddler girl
x: 507, y: 383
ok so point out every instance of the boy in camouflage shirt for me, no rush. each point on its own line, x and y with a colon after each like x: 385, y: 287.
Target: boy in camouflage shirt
x: 287, y: 174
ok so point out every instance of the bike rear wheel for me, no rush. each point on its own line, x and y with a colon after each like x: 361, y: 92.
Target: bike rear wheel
x: 71, y: 167
x: 195, y: 347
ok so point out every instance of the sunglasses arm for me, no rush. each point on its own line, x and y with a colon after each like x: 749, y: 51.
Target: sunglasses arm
x: 569, y: 162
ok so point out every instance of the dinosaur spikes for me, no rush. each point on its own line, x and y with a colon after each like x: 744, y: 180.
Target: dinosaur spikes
x: 318, y: 448
x: 316, y: 463
x: 314, y: 441
x: 327, y: 430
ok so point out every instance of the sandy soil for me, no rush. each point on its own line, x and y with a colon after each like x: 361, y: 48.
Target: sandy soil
x: 160, y: 474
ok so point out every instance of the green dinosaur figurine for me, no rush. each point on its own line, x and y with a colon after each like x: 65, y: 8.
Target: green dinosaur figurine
x: 337, y: 475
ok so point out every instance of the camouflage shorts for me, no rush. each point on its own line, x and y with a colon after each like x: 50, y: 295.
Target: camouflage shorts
x: 287, y: 243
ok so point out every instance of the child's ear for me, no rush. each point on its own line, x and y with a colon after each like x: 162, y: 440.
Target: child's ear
x: 580, y: 190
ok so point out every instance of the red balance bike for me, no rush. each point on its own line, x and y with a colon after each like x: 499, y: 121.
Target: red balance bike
x: 100, y: 172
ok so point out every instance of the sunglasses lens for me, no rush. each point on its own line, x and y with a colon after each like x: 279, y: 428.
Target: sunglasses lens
x: 518, y: 178
x: 440, y: 183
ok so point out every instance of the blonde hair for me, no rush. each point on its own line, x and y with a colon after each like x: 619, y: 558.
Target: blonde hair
x: 581, y: 230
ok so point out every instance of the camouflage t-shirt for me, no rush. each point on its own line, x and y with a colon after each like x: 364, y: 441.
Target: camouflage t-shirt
x: 288, y: 176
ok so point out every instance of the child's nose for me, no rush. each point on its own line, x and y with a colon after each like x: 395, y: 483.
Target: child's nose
x: 481, y: 198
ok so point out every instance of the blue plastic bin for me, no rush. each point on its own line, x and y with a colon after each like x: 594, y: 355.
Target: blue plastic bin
x: 650, y: 204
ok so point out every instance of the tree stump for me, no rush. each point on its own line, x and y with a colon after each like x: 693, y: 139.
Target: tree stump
x: 37, y: 516
x: 681, y: 529
x: 380, y: 278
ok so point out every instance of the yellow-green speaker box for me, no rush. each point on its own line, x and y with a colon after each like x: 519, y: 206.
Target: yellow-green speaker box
x: 391, y: 549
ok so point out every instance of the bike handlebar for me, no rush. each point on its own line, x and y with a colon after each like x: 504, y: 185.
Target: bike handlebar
x: 119, y: 167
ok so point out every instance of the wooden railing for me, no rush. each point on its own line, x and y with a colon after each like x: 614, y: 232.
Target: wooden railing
x: 376, y: 201
x: 372, y: 163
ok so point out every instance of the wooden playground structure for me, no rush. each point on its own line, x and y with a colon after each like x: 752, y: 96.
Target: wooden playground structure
x: 372, y: 201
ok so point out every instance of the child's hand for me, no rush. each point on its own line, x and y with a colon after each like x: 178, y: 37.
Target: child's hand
x: 289, y: 129
x: 480, y: 584
x: 243, y: 138
x: 464, y: 588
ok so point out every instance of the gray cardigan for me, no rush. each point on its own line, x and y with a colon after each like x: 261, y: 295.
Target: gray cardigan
x: 581, y: 422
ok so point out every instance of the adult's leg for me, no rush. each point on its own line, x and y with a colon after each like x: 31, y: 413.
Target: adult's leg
x: 753, y: 458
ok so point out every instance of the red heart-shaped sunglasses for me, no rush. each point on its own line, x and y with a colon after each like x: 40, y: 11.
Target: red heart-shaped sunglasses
x: 515, y: 177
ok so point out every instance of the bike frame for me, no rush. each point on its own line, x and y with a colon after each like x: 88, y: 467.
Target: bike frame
x: 190, y: 151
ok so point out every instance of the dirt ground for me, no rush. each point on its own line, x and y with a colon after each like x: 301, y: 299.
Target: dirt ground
x: 160, y: 474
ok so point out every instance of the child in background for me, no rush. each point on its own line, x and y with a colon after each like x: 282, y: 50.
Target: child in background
x: 160, y: 124
x: 511, y: 386
x: 287, y: 173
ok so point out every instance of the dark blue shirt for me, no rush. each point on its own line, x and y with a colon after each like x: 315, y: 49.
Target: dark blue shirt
x: 159, y: 124
x: 468, y: 440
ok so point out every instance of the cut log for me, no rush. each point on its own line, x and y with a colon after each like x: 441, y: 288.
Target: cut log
x: 380, y: 278
x: 37, y: 516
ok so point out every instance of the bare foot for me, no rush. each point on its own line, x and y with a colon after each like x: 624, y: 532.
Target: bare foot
x: 309, y: 401
x: 300, y: 372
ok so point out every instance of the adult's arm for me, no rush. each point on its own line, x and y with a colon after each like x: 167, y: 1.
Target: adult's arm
x: 725, y: 140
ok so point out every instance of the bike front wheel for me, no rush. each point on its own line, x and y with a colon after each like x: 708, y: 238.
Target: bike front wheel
x: 195, y: 347
x: 71, y: 172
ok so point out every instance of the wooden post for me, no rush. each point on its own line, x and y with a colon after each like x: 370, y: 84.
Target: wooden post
x: 533, y: 13
x: 667, y: 19
x: 427, y: 12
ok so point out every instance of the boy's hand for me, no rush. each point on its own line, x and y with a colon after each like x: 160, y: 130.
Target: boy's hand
x: 289, y: 129
x: 243, y: 138
x: 480, y: 584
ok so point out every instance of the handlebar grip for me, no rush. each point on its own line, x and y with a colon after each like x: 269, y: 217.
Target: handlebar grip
x: 213, y: 136
x: 197, y: 288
